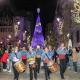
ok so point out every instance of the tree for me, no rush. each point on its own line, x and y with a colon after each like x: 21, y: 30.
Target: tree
x: 38, y: 38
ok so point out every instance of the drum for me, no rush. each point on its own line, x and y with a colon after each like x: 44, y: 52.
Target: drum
x: 38, y: 56
x: 32, y: 63
x: 31, y: 60
x: 33, y: 66
x: 53, y: 67
x: 20, y: 66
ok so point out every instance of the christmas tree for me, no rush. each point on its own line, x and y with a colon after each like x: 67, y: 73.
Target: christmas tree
x: 38, y: 38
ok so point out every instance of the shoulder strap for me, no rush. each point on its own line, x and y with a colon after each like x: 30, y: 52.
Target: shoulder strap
x: 47, y: 56
x: 16, y: 55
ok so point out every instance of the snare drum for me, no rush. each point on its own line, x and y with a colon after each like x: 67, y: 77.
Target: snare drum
x: 20, y: 66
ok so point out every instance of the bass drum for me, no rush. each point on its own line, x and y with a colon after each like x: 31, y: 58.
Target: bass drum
x: 20, y: 66
x: 53, y: 67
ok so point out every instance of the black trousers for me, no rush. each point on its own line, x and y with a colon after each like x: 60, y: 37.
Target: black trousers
x: 47, y: 72
x: 38, y: 61
x: 16, y: 74
x: 33, y: 72
x: 4, y: 65
x: 75, y: 66
x: 63, y: 66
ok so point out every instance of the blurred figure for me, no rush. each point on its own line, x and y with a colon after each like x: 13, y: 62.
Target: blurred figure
x: 74, y: 58
x: 0, y: 53
x: 0, y: 60
x: 24, y: 55
x: 4, y: 60
x: 15, y: 56
x: 39, y: 51
x: 46, y: 57
x: 31, y: 58
x: 62, y: 51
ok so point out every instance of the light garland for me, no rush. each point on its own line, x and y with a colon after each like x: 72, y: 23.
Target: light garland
x: 76, y: 11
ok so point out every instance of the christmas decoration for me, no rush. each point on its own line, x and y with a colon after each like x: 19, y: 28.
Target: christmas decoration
x: 21, y: 30
x: 75, y: 12
x: 38, y: 38
x: 58, y: 30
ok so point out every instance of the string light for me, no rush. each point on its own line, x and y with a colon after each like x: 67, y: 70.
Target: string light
x: 75, y: 12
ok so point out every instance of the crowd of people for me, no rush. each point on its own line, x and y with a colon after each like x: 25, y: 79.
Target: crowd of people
x: 33, y: 57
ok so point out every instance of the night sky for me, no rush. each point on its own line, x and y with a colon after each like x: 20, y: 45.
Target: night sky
x: 47, y: 8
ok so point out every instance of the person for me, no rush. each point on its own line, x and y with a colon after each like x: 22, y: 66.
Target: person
x: 31, y: 55
x: 0, y: 54
x: 39, y: 51
x: 46, y: 57
x: 15, y: 56
x: 4, y: 58
x: 51, y: 52
x: 24, y: 55
x: 75, y: 59
x: 62, y: 51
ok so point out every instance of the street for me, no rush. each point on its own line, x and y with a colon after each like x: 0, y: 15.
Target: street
x: 69, y: 75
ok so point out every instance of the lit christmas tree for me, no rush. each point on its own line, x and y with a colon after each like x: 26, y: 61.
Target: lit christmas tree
x: 38, y: 38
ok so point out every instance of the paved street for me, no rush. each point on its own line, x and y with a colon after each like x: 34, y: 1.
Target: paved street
x: 69, y: 75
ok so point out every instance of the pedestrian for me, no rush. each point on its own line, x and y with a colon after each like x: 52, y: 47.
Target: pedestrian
x: 75, y: 59
x: 4, y: 58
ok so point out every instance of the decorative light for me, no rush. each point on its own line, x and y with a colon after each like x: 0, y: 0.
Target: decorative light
x: 76, y: 11
x: 7, y: 39
x: 19, y: 41
x: 58, y: 19
x: 9, y: 36
x: 68, y: 35
x: 25, y: 31
x: 18, y: 22
x: 38, y: 10
x: 1, y: 42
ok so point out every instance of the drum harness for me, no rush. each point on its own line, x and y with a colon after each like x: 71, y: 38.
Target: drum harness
x: 47, y: 56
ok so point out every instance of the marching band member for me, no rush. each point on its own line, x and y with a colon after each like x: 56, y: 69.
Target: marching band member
x: 15, y: 56
x: 38, y: 57
x: 46, y: 57
x: 62, y: 51
x: 24, y: 55
x: 32, y: 63
x: 51, y: 51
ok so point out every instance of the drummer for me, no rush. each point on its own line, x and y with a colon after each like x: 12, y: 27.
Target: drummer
x: 15, y: 56
x: 62, y: 51
x: 31, y: 55
x: 39, y: 51
x: 51, y: 51
x: 46, y: 57
x: 24, y: 55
